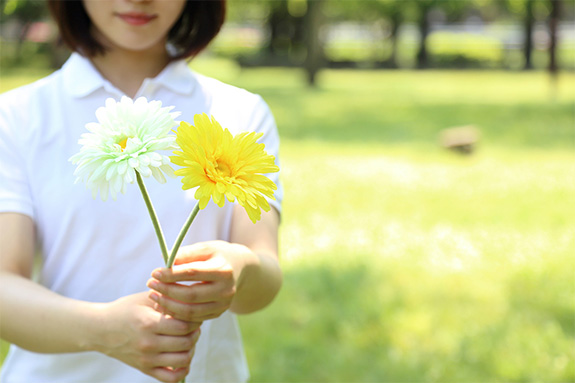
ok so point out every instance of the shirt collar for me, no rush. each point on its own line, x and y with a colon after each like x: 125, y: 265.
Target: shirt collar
x: 81, y: 78
x: 177, y: 77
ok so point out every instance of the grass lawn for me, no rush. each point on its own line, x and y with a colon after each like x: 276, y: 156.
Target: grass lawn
x: 411, y: 266
x: 407, y: 263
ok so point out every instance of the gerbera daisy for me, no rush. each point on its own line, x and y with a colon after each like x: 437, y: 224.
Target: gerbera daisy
x: 126, y: 138
x: 223, y: 166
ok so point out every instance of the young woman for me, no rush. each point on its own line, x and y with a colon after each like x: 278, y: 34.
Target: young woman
x: 87, y: 315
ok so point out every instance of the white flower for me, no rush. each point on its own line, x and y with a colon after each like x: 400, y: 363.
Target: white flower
x: 126, y: 138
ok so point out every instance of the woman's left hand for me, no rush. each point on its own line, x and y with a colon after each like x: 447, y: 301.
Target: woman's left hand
x: 215, y: 266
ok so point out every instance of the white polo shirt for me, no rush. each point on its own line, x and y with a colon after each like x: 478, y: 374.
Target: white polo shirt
x: 99, y: 251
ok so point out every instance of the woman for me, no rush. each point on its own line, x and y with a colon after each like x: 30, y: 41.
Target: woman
x: 86, y: 315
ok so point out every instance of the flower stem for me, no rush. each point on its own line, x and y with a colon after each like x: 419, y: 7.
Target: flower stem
x: 179, y: 240
x: 182, y: 234
x: 153, y: 216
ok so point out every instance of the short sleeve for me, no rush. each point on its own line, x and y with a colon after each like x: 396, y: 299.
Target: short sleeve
x: 262, y: 121
x: 14, y: 186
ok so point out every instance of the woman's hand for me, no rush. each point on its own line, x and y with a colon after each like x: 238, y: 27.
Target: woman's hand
x: 135, y: 333
x: 242, y: 275
x: 217, y: 268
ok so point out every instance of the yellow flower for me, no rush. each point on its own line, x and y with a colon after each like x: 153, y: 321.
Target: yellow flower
x: 223, y: 166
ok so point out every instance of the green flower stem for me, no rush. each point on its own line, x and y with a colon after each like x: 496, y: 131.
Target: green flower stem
x: 182, y: 234
x: 179, y: 240
x: 153, y: 216
x: 169, y: 261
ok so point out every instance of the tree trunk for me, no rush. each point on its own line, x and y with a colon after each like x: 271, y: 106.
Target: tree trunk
x: 423, y: 23
x: 553, y: 24
x: 278, y: 25
x: 314, y: 56
x: 553, y: 64
x: 528, y: 34
x: 395, y: 20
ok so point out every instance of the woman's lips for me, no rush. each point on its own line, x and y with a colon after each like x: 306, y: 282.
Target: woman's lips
x: 136, y: 18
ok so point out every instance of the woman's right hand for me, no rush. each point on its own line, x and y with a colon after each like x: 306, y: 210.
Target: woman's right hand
x: 129, y: 329
x: 134, y: 332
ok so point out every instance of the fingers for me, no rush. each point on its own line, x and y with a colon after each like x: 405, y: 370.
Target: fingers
x: 197, y: 293
x: 196, y: 312
x: 161, y: 344
x: 212, y: 269
x: 167, y: 374
x: 214, y: 264
x: 172, y: 359
x: 196, y: 252
x: 171, y: 326
x: 176, y: 352
x: 169, y: 344
x: 199, y: 302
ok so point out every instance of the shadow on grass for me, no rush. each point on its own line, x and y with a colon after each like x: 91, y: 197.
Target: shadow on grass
x: 404, y: 323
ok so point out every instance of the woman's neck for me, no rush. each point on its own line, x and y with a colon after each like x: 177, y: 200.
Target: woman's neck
x: 126, y: 70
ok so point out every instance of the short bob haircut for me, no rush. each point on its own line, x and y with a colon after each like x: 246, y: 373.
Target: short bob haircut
x: 199, y: 23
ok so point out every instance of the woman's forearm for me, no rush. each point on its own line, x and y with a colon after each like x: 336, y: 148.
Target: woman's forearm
x: 259, y: 283
x: 261, y: 276
x: 40, y: 320
x: 128, y: 329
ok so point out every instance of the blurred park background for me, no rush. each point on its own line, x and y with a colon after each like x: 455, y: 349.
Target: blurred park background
x: 428, y: 158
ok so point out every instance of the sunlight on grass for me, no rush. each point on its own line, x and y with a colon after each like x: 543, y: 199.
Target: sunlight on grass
x: 437, y: 210
x: 434, y: 267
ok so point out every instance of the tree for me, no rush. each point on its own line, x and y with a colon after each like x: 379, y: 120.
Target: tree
x: 279, y: 25
x: 528, y: 11
x: 393, y: 10
x: 423, y: 8
x: 553, y: 23
x: 23, y: 10
x: 24, y: 13
x: 528, y: 23
x: 451, y: 8
x: 314, y: 48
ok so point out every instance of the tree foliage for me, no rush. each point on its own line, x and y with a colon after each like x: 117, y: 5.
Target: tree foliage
x: 24, y: 11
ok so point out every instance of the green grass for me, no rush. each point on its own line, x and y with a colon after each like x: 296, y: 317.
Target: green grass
x: 405, y: 266
x: 407, y: 263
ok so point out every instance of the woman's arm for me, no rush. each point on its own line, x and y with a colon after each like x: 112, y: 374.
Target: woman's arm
x: 39, y: 320
x: 34, y: 317
x: 242, y: 275
x: 261, y: 276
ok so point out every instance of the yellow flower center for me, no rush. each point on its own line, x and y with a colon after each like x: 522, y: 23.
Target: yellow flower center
x: 224, y: 169
x: 123, y: 143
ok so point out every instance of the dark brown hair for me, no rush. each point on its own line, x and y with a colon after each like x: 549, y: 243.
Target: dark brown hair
x: 199, y: 23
